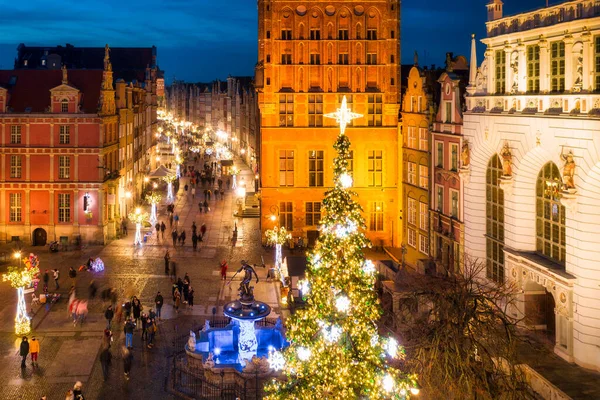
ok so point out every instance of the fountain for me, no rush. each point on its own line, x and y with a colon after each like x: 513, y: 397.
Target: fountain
x: 238, y: 343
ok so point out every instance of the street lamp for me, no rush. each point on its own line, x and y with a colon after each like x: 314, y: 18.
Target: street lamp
x: 138, y: 217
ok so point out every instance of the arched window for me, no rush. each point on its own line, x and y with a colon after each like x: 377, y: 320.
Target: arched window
x: 550, y: 215
x: 494, y: 226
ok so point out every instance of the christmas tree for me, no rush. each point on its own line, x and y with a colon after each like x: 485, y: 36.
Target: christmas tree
x: 336, y: 351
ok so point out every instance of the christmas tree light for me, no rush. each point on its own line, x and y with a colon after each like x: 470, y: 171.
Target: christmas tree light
x: 335, y: 350
x: 278, y: 237
x: 20, y: 278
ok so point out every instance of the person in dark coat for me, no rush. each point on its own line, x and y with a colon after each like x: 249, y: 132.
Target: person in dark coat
x: 46, y: 280
x: 159, y: 301
x: 205, y: 206
x: 190, y: 296
x: 163, y: 227
x: 136, y: 306
x: 157, y: 227
x: 24, y: 351
x: 167, y: 258
x: 109, y: 315
x: 194, y: 241
x: 105, y: 357
x: 186, y: 289
x: 202, y: 231
x: 173, y: 269
x: 180, y: 285
x: 194, y: 227
x: 127, y: 361
x: 182, y: 237
x: 174, y: 236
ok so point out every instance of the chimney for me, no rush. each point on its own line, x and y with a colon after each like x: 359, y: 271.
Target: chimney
x: 121, y: 99
x: 494, y: 9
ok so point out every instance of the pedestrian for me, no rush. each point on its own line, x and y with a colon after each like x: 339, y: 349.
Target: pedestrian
x: 212, y: 180
x: 176, y: 219
x: 190, y: 296
x: 205, y: 191
x: 202, y: 231
x: 163, y: 227
x: 157, y: 227
x: 24, y: 350
x: 109, y: 315
x: 182, y: 237
x: 171, y: 220
x: 127, y: 361
x: 128, y: 330
x: 194, y: 228
x: 167, y: 258
x: 105, y: 357
x: 56, y: 276
x: 222, y: 194
x: 93, y: 289
x: 144, y: 327
x: 46, y: 278
x: 174, y: 236
x: 107, y: 339
x: 224, y: 269
x: 77, y: 391
x: 34, y: 349
x: 193, y: 192
x: 177, y: 301
x: 208, y: 193
x: 72, y: 275
x: 127, y: 309
x: 206, y: 206
x: 136, y: 307
x: 180, y: 285
x: 174, y: 288
x: 220, y: 183
x: 124, y: 226
x: 158, y: 300
x: 152, y: 328
x: 194, y: 240
x: 82, y: 311
x: 186, y: 289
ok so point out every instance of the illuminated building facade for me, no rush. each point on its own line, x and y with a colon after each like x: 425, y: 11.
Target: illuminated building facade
x: 310, y: 55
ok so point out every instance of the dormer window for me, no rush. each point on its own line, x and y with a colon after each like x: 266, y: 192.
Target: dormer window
x: 43, y: 62
x: 64, y: 106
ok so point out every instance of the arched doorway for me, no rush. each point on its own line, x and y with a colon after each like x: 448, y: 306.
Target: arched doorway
x: 539, y: 310
x: 39, y: 237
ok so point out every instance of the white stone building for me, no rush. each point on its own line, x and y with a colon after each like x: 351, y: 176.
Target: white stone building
x: 531, y: 210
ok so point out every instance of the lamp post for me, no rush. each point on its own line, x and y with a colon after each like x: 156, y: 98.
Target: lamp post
x: 153, y: 199
x: 169, y: 179
x: 139, y: 217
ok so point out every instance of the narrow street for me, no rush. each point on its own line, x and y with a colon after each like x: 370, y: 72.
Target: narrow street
x: 70, y: 353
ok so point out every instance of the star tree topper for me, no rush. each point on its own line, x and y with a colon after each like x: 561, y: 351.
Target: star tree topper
x: 343, y: 115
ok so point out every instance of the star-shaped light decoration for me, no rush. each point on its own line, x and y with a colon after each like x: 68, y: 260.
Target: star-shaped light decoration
x: 343, y: 116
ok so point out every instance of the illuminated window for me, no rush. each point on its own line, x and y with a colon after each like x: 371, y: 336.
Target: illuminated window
x: 375, y: 110
x: 412, y: 211
x: 453, y: 157
x: 454, y: 208
x: 15, y: 166
x: 286, y: 216
x: 376, y: 216
x: 423, y: 139
x: 550, y: 215
x: 315, y: 168
x: 412, y: 137
x: 286, y: 110
x: 315, y: 110
x: 15, y: 134
x: 440, y: 198
x: 64, y: 167
x: 424, y: 244
x: 313, y: 213
x: 557, y: 66
x: 494, y: 235
x: 286, y: 167
x: 424, y: 176
x: 533, y: 69
x: 375, y: 167
x: 64, y: 136
x: 423, y: 216
x: 412, y: 173
x: 15, y: 207
x: 439, y: 157
x: 412, y: 237
x: 64, y: 207
x: 500, y: 72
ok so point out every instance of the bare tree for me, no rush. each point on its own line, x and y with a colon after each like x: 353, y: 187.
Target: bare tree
x: 459, y: 337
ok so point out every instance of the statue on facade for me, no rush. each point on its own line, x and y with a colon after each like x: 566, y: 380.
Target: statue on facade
x: 568, y: 170
x: 192, y: 341
x: 65, y: 79
x: 506, y: 155
x: 578, y: 73
x: 465, y: 155
x: 514, y: 64
x: 245, y: 290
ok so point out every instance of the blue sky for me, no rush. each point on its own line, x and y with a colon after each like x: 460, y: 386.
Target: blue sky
x: 200, y: 40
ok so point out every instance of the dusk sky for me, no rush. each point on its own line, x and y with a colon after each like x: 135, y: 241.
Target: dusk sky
x: 201, y: 40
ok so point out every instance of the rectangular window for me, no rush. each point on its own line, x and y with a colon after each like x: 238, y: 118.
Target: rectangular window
x: 423, y: 216
x: 64, y: 207
x: 500, y: 72
x: 315, y: 168
x: 286, y: 110
x: 375, y: 110
x: 64, y: 167
x: 424, y: 176
x: 286, y: 34
x: 454, y: 204
x: 286, y: 167
x: 412, y: 211
x: 64, y: 106
x: 343, y: 34
x: 371, y: 34
x: 454, y: 157
x: 412, y: 137
x: 597, y: 64
x: 533, y: 69
x: 315, y: 110
x: 286, y: 59
x: 313, y: 213
x: 343, y: 58
x: 375, y: 167
x: 420, y: 105
x: 15, y: 166
x: 315, y: 34
x: 372, y: 58
x: 15, y: 207
x: 439, y: 158
x: 412, y: 173
x: 412, y: 238
x: 557, y: 66
x: 376, y: 216
x: 448, y: 112
x: 64, y: 136
x: 15, y: 134
x: 424, y: 244
x: 315, y: 59
x: 286, y: 216
x: 423, y: 139
x: 440, y: 199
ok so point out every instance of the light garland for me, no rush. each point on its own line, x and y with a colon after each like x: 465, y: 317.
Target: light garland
x: 153, y: 199
x: 20, y: 278
x: 139, y: 217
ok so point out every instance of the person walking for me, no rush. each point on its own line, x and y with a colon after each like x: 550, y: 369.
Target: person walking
x: 109, y: 314
x: 167, y: 258
x: 202, y: 231
x: 224, y: 267
x: 24, y: 350
x: 152, y: 329
x: 128, y: 330
x: 124, y: 226
x: 72, y: 275
x: 228, y: 183
x: 144, y: 327
x: 56, y: 276
x: 163, y: 227
x: 170, y: 220
x: 136, y: 307
x: 194, y: 240
x: 186, y: 289
x: 177, y: 301
x: 34, y: 349
x: 127, y: 361
x: 205, y: 191
x: 176, y: 219
x: 105, y: 357
x: 159, y: 301
x: 194, y: 227
x: 78, y: 391
x: 174, y: 236
x: 205, y: 206
x: 173, y: 269
x: 46, y: 278
x: 190, y: 296
x: 182, y: 237
x: 220, y: 183
x: 208, y: 193
x: 157, y: 227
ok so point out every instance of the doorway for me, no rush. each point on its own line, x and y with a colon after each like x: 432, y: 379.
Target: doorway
x: 39, y: 237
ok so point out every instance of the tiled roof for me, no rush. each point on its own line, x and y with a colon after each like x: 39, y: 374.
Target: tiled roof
x: 30, y: 89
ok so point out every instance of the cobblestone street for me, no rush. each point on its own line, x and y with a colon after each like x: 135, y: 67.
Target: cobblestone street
x: 70, y: 353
